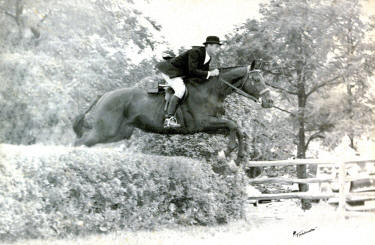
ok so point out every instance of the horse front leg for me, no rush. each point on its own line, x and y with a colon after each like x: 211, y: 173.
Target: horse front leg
x: 232, y: 143
x: 213, y: 124
x: 241, y: 146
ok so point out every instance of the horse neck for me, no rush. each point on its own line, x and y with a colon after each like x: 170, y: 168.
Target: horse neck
x: 232, y: 76
x: 214, y: 87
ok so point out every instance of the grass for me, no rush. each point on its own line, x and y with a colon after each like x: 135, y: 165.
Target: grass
x: 271, y: 223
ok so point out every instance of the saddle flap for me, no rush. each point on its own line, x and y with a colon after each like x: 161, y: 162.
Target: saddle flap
x: 150, y: 84
x: 157, y: 85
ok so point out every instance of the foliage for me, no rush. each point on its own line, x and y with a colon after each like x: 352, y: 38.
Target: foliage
x: 82, y: 50
x: 354, y: 115
x: 60, y: 191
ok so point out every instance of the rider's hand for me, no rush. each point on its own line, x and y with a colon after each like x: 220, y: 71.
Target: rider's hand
x: 214, y: 72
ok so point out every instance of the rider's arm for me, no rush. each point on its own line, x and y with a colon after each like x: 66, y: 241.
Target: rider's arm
x: 193, y: 61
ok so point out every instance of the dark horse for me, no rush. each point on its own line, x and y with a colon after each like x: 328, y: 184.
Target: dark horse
x: 118, y: 112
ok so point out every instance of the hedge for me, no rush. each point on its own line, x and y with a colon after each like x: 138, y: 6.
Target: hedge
x: 58, y: 191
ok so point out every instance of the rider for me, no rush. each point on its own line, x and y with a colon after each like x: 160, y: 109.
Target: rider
x: 192, y: 63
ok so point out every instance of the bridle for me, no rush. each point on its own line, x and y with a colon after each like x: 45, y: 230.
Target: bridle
x: 243, y: 81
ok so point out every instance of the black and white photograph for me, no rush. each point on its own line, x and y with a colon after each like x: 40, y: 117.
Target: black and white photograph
x: 164, y: 122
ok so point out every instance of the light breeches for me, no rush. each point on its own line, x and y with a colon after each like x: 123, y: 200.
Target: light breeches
x: 177, y: 84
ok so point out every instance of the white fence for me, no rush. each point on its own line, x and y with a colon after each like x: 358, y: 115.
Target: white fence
x: 341, y: 178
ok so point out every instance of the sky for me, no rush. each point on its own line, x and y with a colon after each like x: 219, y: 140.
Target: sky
x: 189, y: 22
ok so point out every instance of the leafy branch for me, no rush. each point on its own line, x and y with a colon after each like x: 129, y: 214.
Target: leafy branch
x: 314, y: 136
x: 325, y: 83
x: 282, y: 89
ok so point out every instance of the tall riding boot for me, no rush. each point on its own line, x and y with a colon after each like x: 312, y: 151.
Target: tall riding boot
x: 171, y: 121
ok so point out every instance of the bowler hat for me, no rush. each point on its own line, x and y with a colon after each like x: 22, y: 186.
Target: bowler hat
x: 212, y: 40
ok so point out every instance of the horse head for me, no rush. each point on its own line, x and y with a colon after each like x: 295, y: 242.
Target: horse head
x: 248, y: 81
x: 255, y: 85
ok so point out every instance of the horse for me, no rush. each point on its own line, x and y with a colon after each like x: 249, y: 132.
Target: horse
x: 118, y: 112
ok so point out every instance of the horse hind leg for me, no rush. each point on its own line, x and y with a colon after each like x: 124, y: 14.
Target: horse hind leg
x: 88, y: 139
x: 127, y: 132
x: 92, y: 138
x: 105, y: 131
x: 124, y: 132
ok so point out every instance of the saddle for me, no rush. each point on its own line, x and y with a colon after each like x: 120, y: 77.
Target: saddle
x: 158, y: 86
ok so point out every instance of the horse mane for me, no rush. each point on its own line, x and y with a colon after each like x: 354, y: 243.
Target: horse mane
x: 222, y: 88
x: 252, y: 66
x: 224, y: 69
x: 215, y: 86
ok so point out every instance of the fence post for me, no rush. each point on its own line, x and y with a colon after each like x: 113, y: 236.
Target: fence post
x: 302, y: 174
x: 342, y: 189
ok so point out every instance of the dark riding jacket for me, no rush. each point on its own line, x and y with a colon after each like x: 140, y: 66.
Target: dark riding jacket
x: 188, y: 64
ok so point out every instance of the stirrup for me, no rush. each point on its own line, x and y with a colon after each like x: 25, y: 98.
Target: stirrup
x: 171, y: 122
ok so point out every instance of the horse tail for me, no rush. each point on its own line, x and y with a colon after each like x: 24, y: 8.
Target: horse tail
x: 79, y: 121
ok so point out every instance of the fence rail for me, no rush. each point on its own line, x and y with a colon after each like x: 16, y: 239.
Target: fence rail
x: 290, y: 181
x: 302, y: 181
x: 288, y: 162
x: 341, y: 197
x: 300, y: 195
x: 301, y: 162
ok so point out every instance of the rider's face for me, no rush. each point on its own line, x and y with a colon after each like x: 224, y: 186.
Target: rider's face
x: 212, y: 49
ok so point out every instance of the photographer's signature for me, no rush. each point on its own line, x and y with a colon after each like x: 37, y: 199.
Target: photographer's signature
x: 303, y: 232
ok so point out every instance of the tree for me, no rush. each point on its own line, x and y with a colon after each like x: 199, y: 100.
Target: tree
x: 355, y: 52
x: 298, y: 39
x: 15, y: 11
x: 83, y: 49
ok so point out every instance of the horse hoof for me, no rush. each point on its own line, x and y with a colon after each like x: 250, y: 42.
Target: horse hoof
x: 221, y: 155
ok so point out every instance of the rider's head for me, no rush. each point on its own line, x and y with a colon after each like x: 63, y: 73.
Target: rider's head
x: 212, y: 45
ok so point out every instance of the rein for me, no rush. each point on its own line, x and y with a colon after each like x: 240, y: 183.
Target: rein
x: 239, y: 91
